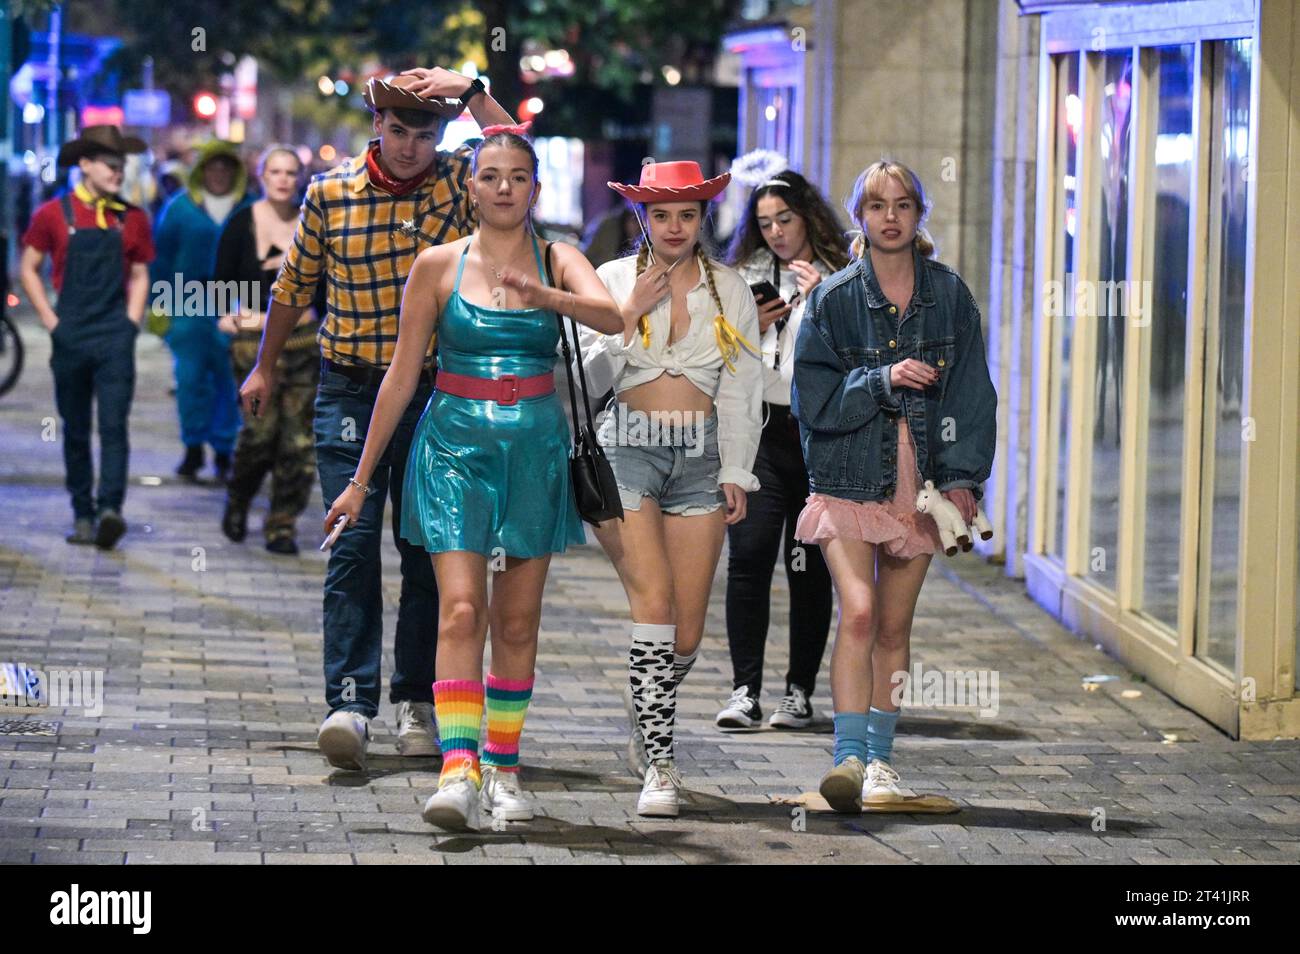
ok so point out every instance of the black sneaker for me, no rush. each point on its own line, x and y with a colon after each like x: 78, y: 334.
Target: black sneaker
x: 794, y: 711
x: 285, y: 546
x: 740, y: 712
x: 234, y: 522
x: 221, y: 468
x: 111, y: 528
x: 190, y: 465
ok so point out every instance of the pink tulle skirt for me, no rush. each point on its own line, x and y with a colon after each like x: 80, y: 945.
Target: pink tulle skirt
x: 895, y: 525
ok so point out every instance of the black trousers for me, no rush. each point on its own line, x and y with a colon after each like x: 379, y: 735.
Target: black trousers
x: 755, y: 544
x: 94, y: 374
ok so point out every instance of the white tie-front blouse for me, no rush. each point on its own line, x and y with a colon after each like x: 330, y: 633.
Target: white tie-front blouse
x: 610, y: 361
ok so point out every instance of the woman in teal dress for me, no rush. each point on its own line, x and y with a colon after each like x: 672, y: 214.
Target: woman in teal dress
x: 487, y: 485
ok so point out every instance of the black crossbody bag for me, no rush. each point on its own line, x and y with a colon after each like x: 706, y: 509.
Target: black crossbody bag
x: 594, y: 487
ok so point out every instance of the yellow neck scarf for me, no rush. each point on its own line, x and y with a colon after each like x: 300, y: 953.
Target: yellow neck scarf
x: 100, y: 203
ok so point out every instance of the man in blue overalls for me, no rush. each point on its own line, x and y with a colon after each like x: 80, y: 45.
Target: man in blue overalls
x: 100, y: 249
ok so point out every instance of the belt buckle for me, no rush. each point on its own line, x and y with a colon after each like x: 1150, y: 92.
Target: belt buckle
x: 510, y: 381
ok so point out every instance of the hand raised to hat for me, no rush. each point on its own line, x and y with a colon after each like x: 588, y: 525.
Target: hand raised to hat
x: 437, y: 82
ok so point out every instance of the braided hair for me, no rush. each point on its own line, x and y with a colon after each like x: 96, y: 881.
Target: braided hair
x: 726, y: 334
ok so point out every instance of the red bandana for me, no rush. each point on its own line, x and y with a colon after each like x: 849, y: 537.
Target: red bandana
x: 386, y: 183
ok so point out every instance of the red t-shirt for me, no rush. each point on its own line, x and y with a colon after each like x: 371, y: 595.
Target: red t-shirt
x: 48, y: 233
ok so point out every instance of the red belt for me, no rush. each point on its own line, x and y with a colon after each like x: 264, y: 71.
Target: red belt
x: 505, y: 390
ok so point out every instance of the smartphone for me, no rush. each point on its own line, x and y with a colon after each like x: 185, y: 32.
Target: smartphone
x: 764, y: 292
x: 339, y: 524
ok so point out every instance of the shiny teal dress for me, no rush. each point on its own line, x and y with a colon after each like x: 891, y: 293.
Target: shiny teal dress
x: 484, y: 477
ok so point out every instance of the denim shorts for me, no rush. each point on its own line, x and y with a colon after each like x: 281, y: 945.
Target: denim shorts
x: 673, y: 460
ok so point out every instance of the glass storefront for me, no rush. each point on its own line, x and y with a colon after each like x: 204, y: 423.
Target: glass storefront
x: 1166, y: 380
x: 1171, y: 348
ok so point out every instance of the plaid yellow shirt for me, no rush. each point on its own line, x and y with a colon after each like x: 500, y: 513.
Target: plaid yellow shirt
x: 365, y: 242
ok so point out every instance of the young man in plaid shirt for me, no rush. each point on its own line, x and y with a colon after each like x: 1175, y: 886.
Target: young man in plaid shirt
x: 362, y: 225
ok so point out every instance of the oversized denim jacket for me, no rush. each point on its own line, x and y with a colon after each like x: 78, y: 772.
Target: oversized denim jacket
x: 848, y: 414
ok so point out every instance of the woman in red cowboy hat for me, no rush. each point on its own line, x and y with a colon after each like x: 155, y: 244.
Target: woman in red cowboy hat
x: 488, y: 484
x: 681, y: 436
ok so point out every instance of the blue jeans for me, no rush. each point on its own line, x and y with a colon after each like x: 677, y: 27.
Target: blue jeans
x: 206, y: 395
x: 354, y: 623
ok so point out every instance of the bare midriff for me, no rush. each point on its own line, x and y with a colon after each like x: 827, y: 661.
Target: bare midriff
x: 668, y: 392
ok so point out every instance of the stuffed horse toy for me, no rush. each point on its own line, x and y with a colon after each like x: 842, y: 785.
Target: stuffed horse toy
x: 953, y: 532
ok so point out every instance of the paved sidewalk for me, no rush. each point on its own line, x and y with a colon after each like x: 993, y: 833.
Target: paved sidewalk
x: 204, y: 751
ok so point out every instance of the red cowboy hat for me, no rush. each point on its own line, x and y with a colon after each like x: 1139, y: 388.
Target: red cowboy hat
x: 672, y: 182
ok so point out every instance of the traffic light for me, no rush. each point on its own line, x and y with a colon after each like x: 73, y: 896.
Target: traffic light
x: 205, y: 105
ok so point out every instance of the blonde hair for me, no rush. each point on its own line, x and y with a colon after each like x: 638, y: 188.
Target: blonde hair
x: 869, y: 185
x: 274, y: 150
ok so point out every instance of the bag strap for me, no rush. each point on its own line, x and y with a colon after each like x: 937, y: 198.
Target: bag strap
x: 568, y: 358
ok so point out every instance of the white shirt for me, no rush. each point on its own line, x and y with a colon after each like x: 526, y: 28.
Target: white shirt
x: 219, y: 207
x: 737, y: 395
x: 777, y: 382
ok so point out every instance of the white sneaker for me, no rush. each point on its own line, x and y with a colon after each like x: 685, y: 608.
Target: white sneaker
x: 881, y: 784
x: 794, y: 712
x: 842, y: 786
x: 342, y: 739
x: 455, y: 805
x: 502, y: 798
x: 740, y: 712
x: 417, y: 731
x: 661, y: 795
x: 637, y: 762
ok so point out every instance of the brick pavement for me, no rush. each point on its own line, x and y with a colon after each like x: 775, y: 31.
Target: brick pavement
x: 211, y: 652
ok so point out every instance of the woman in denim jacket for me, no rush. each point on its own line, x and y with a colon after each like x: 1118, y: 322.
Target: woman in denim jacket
x: 891, y: 389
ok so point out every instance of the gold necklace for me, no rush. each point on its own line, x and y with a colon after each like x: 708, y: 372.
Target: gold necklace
x: 496, y: 269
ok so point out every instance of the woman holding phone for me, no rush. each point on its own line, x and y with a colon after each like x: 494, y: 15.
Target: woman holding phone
x: 487, y: 484
x: 891, y: 388
x: 786, y: 243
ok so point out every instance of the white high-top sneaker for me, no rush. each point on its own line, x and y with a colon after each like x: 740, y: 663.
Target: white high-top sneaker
x: 417, y: 731
x: 342, y: 739
x: 661, y: 795
x: 455, y: 805
x: 501, y: 796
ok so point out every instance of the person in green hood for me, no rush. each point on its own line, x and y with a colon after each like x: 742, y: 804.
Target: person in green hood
x: 187, y: 234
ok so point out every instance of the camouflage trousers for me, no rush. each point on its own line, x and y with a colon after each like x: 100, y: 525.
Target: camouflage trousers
x: 279, y: 441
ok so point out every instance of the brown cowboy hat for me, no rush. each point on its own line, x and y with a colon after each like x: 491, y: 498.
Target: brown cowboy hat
x: 393, y: 94
x: 672, y: 182
x: 95, y: 139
